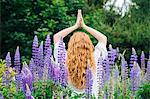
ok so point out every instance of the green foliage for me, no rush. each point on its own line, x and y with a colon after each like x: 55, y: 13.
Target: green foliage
x: 2, y: 67
x: 2, y: 70
x: 144, y: 91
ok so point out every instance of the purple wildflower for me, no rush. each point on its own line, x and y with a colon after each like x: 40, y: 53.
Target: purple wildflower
x: 47, y: 46
x: 100, y: 74
x: 133, y: 58
x: 17, y: 67
x: 56, y: 73
x: 112, y: 55
x: 61, y: 52
x: 63, y: 75
x: 32, y: 66
x: 108, y: 71
x: 35, y: 50
x: 40, y: 61
x: 28, y: 93
x: 134, y: 78
x: 89, y: 82
x: 27, y: 77
x: 143, y: 61
x: 46, y: 67
x: 1, y: 96
x: 17, y: 61
x: 8, y: 60
x: 124, y: 69
x: 8, y: 64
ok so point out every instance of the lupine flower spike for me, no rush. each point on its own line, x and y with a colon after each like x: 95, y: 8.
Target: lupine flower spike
x: 124, y: 75
x: 27, y: 77
x: 47, y: 45
x: 61, y: 52
x: 46, y: 65
x: 89, y: 82
x: 32, y: 68
x: 8, y: 64
x: 17, y: 67
x: 35, y: 50
x: 100, y: 77
x: 133, y: 58
x: 28, y: 93
x: 40, y: 61
x: 1, y: 96
x: 135, y: 77
x: 17, y: 61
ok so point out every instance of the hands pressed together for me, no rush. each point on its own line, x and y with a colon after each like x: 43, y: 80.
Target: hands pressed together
x: 79, y: 22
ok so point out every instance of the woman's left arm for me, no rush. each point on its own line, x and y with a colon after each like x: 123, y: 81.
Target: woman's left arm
x: 63, y: 33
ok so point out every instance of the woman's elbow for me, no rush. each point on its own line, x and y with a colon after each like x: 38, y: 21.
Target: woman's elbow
x: 103, y: 39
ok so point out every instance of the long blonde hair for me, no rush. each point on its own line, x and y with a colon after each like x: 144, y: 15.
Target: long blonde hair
x: 80, y: 49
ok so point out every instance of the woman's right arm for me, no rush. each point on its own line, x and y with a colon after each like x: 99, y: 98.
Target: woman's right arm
x: 98, y: 35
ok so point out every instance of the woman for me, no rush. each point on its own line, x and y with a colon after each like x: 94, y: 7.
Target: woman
x: 80, y: 52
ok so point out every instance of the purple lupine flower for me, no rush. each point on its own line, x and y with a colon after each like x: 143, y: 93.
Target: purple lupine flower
x: 51, y: 71
x: 28, y: 93
x: 35, y: 50
x: 50, y: 64
x: 56, y: 73
x: 46, y: 67
x: 124, y: 69
x: 32, y: 67
x: 40, y: 61
x: 8, y: 60
x: 110, y: 58
x: 8, y: 64
x: 143, y: 61
x: 27, y: 77
x: 100, y: 74
x: 1, y: 96
x: 17, y: 61
x: 17, y: 68
x: 134, y: 78
x: 63, y: 75
x: 112, y: 55
x: 61, y: 52
x: 89, y: 82
x: 47, y: 46
x: 61, y: 62
x: 107, y: 71
x: 133, y: 58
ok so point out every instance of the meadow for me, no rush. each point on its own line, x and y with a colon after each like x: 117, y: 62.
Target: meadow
x: 43, y: 78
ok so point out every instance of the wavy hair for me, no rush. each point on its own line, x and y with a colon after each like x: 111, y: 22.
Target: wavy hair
x: 80, y: 50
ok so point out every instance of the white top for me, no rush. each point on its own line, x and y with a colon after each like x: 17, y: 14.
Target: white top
x: 99, y: 51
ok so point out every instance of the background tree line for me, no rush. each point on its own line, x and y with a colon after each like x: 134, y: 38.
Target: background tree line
x: 22, y: 19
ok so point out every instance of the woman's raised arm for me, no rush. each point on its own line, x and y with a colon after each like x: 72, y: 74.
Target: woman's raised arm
x: 66, y: 31
x: 98, y: 35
